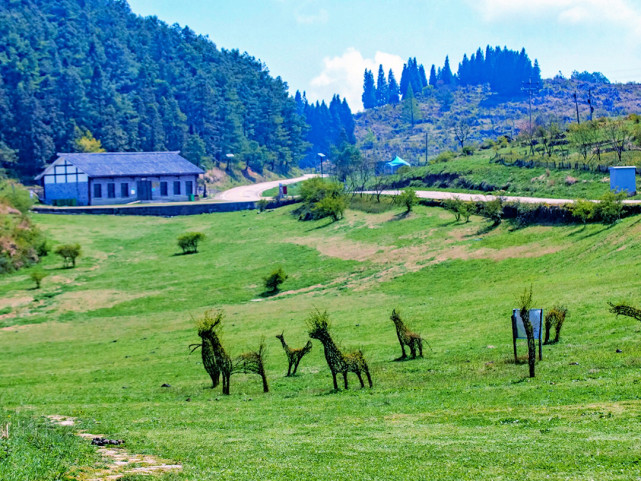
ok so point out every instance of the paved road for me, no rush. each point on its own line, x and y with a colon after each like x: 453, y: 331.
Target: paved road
x: 253, y: 192
x: 439, y: 195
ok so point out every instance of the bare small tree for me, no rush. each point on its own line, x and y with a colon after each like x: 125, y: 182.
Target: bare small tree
x: 462, y: 130
x: 524, y: 305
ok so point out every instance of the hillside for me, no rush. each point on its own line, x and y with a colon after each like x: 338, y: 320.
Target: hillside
x: 387, y: 131
x: 75, y: 70
x: 97, y: 342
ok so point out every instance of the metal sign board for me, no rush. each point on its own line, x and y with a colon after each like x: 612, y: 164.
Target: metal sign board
x: 518, y: 329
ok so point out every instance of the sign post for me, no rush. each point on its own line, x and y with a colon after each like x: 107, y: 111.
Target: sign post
x: 518, y: 329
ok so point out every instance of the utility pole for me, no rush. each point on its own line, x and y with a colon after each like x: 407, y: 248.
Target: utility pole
x: 590, y: 104
x: 426, y: 147
x: 576, y: 103
x: 530, y: 88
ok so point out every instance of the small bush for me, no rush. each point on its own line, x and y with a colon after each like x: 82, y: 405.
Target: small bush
x: 467, y: 150
x: 37, y: 276
x: 274, y: 280
x: 525, y: 214
x: 582, y: 210
x: 609, y: 209
x: 262, y: 205
x: 554, y: 319
x: 493, y: 210
x: 443, y: 157
x: 321, y: 198
x: 458, y: 208
x: 69, y: 254
x: 188, y: 241
x: 408, y: 199
x: 333, y: 207
x: 15, y: 195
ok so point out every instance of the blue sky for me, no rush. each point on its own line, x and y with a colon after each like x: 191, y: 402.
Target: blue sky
x: 323, y: 46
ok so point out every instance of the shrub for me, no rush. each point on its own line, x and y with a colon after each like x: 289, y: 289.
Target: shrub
x: 609, y: 208
x: 467, y: 150
x: 525, y: 214
x: 582, y: 209
x: 262, y: 205
x: 443, y: 157
x: 408, y: 199
x: 188, y: 241
x: 458, y: 208
x: 69, y: 254
x: 554, y: 319
x: 15, y: 195
x: 333, y: 207
x: 274, y: 280
x: 321, y: 198
x: 493, y: 210
x: 37, y: 276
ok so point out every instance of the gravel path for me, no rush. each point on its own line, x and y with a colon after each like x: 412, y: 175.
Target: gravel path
x: 253, y: 192
x: 439, y: 195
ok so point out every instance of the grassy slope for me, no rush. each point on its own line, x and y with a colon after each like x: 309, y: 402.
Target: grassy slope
x: 103, y: 338
x: 510, y: 180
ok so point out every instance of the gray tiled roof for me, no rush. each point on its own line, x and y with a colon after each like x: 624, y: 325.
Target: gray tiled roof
x: 111, y: 164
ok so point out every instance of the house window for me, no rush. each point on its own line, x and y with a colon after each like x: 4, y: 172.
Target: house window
x: 176, y: 187
x: 124, y: 189
x: 111, y: 190
x: 97, y: 191
x: 189, y: 187
x: 163, y: 189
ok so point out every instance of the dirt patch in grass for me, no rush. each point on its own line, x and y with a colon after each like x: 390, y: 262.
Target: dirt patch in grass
x: 14, y: 302
x: 84, y: 301
x: 120, y: 462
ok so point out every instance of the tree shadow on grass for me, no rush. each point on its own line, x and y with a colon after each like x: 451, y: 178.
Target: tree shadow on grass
x: 487, y: 228
x: 268, y: 294
x: 180, y: 254
x: 400, y: 216
x: 592, y: 234
x: 322, y: 226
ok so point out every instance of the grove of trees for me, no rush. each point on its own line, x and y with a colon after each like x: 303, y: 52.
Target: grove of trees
x: 73, y: 69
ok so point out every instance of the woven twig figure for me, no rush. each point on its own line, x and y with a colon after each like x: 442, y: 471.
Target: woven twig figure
x: 554, y: 319
x: 253, y: 362
x: 318, y: 324
x: 625, y: 310
x: 217, y: 362
x: 406, y: 337
x: 294, y: 355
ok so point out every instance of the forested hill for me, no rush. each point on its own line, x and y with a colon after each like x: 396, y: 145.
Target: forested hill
x: 72, y: 69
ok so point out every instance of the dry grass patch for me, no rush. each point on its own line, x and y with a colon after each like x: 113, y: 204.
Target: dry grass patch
x: 91, y: 300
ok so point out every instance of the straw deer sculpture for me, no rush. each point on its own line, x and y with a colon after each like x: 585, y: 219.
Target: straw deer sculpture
x: 318, y: 324
x: 294, y: 355
x: 406, y: 337
x: 217, y: 362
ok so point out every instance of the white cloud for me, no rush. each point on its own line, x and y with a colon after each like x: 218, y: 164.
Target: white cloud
x: 343, y: 75
x: 321, y: 16
x: 620, y: 13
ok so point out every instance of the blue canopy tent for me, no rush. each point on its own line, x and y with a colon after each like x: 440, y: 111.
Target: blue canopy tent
x: 392, y: 166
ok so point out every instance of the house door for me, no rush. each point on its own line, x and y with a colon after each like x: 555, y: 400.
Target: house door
x: 144, y: 189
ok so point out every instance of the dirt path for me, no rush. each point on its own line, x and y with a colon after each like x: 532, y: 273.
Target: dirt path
x: 439, y: 195
x: 253, y: 192
x: 120, y: 462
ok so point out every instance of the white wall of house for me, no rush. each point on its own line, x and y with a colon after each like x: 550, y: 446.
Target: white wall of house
x: 129, y: 185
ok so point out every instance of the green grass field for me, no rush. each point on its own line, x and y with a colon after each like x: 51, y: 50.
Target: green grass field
x: 98, y: 341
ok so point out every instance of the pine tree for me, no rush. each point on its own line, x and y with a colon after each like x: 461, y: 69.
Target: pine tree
x: 433, y: 79
x: 382, y: 89
x: 393, y: 89
x: 369, y: 90
x: 446, y: 76
x: 422, y: 77
x: 411, y: 109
